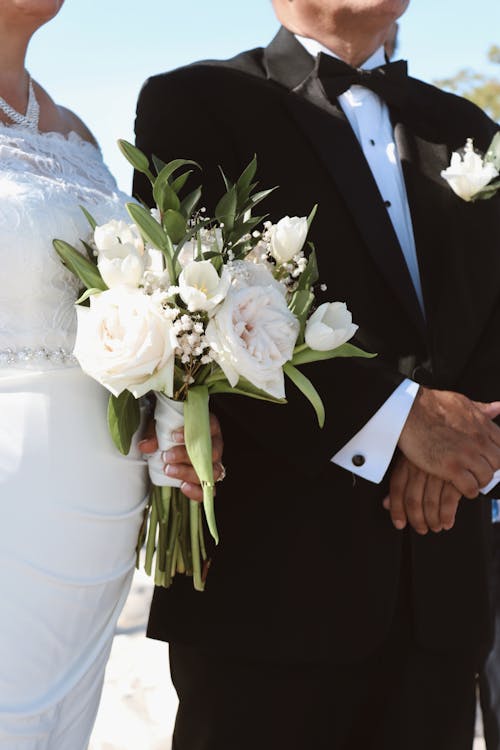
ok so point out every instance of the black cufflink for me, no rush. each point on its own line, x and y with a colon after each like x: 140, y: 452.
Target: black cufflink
x: 358, y: 460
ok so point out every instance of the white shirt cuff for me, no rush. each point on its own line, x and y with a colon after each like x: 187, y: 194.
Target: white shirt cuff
x: 369, y: 453
x: 494, y: 481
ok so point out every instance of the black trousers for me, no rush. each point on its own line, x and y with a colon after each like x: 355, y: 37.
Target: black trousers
x: 401, y: 698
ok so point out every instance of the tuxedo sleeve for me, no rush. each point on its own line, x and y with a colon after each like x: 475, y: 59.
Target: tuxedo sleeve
x: 169, y: 126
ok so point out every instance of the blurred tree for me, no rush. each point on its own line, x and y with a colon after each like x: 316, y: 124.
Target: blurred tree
x: 480, y: 89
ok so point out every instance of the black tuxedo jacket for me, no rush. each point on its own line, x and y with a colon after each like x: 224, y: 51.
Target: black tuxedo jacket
x: 309, y: 563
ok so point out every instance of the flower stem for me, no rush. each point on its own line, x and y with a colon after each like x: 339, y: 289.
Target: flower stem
x: 172, y: 537
x: 194, y: 509
x: 151, y: 540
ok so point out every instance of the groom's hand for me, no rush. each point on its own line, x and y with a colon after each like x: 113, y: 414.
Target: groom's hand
x: 423, y: 501
x: 453, y: 438
x: 177, y: 462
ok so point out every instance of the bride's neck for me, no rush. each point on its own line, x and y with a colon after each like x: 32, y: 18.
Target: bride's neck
x: 13, y: 76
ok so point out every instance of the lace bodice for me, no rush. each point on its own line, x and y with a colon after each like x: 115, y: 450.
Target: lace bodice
x: 44, y: 178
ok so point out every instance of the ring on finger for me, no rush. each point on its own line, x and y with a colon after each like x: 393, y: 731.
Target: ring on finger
x: 222, y: 475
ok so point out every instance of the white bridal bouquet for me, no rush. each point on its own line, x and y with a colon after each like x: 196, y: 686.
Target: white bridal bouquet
x: 185, y: 306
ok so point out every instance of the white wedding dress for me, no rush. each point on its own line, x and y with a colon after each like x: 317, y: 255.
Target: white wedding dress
x: 70, y: 504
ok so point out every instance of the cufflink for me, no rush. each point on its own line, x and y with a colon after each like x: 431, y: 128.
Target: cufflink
x: 358, y: 459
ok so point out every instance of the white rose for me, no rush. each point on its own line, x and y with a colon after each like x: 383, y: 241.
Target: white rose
x: 201, y: 287
x: 329, y: 326
x: 120, y: 254
x: 288, y: 237
x: 124, y: 341
x: 467, y: 175
x: 253, y: 334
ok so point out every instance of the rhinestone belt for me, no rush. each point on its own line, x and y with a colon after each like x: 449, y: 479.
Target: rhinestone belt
x: 33, y: 356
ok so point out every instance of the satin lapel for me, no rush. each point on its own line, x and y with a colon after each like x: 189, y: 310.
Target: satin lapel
x: 422, y: 162
x: 331, y: 137
x: 458, y: 268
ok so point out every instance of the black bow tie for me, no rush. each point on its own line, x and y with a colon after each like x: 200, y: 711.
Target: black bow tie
x: 388, y: 81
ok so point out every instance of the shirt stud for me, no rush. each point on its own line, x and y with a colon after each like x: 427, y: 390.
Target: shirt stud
x: 358, y: 459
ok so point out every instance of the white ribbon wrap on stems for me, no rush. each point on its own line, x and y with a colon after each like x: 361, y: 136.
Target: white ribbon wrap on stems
x: 169, y: 417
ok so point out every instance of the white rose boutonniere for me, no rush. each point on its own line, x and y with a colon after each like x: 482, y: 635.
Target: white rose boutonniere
x: 470, y: 175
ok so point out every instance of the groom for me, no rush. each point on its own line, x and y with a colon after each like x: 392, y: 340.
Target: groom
x: 327, y: 622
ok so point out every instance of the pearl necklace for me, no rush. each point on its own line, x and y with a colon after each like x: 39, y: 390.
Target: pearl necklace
x: 32, y: 116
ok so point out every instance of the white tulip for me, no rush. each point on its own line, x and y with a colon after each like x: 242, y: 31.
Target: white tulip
x: 252, y: 335
x: 120, y: 254
x: 288, y: 237
x: 124, y: 341
x: 468, y: 174
x: 201, y: 287
x: 329, y: 326
x: 210, y: 242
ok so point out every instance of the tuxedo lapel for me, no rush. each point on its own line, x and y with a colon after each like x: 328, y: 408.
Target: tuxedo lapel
x: 422, y: 162
x: 450, y: 266
x: 330, y: 136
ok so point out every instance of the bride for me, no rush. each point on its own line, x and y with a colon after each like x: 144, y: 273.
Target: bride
x: 70, y: 504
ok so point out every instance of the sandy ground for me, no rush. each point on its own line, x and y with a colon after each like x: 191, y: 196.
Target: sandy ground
x: 138, y: 704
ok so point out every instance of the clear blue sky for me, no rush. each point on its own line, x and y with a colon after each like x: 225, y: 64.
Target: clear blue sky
x: 95, y: 55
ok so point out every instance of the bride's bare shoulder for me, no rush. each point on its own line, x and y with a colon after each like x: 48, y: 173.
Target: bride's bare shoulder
x: 55, y: 117
x: 77, y: 125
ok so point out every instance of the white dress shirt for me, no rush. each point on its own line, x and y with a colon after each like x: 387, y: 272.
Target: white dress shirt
x: 369, y: 452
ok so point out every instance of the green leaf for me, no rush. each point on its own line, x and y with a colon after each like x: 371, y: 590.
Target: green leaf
x: 199, y: 448
x: 493, y: 153
x: 90, y: 253
x: 123, y: 419
x: 179, y: 183
x: 488, y: 191
x: 139, y: 161
x: 306, y: 387
x: 243, y: 388
x: 246, y: 177
x: 164, y: 196
x: 227, y: 182
x: 149, y: 227
x: 225, y: 211
x: 311, y: 216
x: 86, y: 271
x: 85, y: 296
x: 173, y: 166
x: 311, y: 273
x: 89, y: 218
x: 190, y: 202
x: 157, y: 163
x: 300, y: 305
x: 259, y: 197
x: 175, y: 224
x: 304, y: 354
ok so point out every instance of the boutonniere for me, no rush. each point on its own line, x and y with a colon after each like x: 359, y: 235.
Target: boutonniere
x: 471, y: 175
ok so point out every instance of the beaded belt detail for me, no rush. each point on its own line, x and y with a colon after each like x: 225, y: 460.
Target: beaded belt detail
x: 33, y: 356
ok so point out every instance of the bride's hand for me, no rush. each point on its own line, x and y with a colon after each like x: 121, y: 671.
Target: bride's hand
x: 176, y: 460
